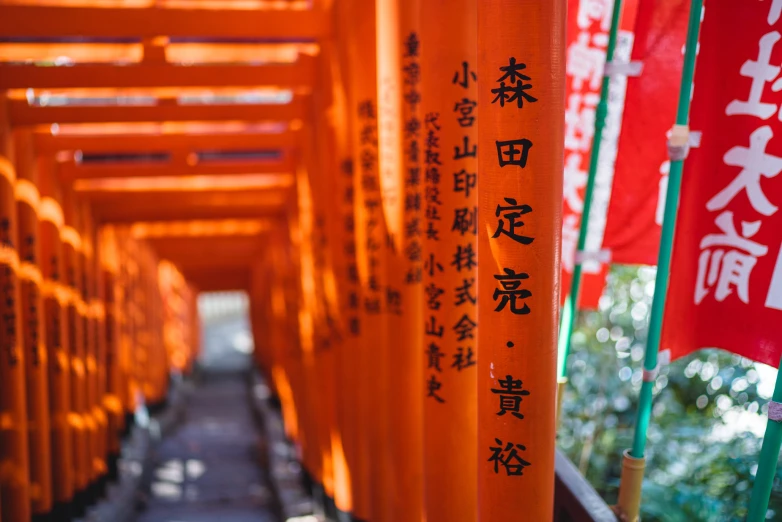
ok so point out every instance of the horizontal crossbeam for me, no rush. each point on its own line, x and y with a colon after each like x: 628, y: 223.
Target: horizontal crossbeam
x: 150, y: 22
x: 298, y: 75
x: 21, y: 113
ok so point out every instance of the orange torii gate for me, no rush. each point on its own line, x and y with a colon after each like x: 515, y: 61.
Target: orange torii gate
x: 282, y: 149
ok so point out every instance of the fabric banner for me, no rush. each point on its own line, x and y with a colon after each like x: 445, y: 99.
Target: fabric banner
x: 726, y: 276
x: 589, y: 22
x: 634, y: 220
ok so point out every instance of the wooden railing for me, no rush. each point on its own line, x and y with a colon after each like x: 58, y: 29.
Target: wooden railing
x: 575, y: 500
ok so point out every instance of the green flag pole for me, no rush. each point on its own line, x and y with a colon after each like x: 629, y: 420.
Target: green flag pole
x: 767, y: 465
x: 571, y: 301
x: 634, y: 461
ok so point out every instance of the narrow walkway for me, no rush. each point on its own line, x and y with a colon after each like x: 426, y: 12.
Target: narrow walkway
x: 208, y: 470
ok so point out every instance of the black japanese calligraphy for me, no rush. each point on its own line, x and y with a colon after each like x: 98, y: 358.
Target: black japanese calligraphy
x: 465, y: 258
x: 464, y: 76
x: 465, y: 328
x: 463, y: 359
x: 466, y: 108
x: 511, y: 292
x: 509, y: 154
x: 507, y: 456
x: 510, y: 394
x: 464, y: 293
x: 433, y: 355
x: 512, y: 213
x: 432, y: 387
x: 464, y: 181
x: 465, y: 220
x: 517, y: 90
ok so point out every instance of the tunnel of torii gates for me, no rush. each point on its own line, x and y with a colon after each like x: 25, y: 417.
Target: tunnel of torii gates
x: 310, y: 154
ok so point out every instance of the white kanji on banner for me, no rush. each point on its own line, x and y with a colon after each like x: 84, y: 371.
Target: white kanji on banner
x: 585, y: 63
x: 580, y: 121
x: 755, y: 164
x: 774, y: 296
x: 575, y: 180
x: 569, y: 242
x: 728, y: 268
x: 590, y: 11
x: 761, y: 72
x: 775, y: 12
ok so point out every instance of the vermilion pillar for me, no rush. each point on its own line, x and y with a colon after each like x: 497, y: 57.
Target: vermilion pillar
x: 34, y: 344
x: 93, y: 341
x: 79, y: 417
x: 346, y: 455
x: 372, y: 478
x: 109, y: 260
x: 399, y: 140
x: 521, y: 61
x: 14, y: 485
x: 449, y: 173
x: 55, y: 297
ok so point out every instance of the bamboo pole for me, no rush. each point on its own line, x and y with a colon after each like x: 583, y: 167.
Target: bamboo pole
x: 570, y: 310
x: 521, y: 139
x: 448, y: 229
x: 634, y: 460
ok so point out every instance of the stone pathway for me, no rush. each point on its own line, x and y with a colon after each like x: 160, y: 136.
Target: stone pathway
x: 208, y: 470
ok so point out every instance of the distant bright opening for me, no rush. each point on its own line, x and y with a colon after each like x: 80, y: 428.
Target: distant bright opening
x: 226, y: 336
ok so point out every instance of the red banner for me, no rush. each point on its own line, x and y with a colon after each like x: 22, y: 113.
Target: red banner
x: 633, y: 226
x: 589, y: 22
x: 726, y: 277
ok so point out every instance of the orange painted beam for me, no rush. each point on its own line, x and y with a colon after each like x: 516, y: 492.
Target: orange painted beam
x: 190, y: 53
x: 72, y: 171
x: 131, y: 207
x: 21, y: 113
x: 296, y: 75
x: 199, y: 228
x: 229, y: 252
x: 48, y: 144
x: 218, y: 279
x: 118, y: 22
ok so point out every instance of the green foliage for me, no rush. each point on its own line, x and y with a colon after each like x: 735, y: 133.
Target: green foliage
x: 707, y: 416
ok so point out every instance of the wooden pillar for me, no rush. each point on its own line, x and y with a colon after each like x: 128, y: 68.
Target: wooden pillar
x: 93, y: 337
x: 322, y: 175
x: 448, y: 127
x: 372, y: 478
x: 14, y: 484
x: 521, y: 59
x: 125, y: 384
x: 33, y: 336
x: 80, y: 417
x: 55, y: 298
x: 281, y: 340
x: 109, y: 261
x: 346, y: 460
x: 131, y: 348
x: 301, y: 221
x: 398, y: 61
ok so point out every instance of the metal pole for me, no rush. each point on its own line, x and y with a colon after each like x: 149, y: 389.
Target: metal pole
x: 571, y: 301
x: 632, y: 473
x: 767, y: 465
